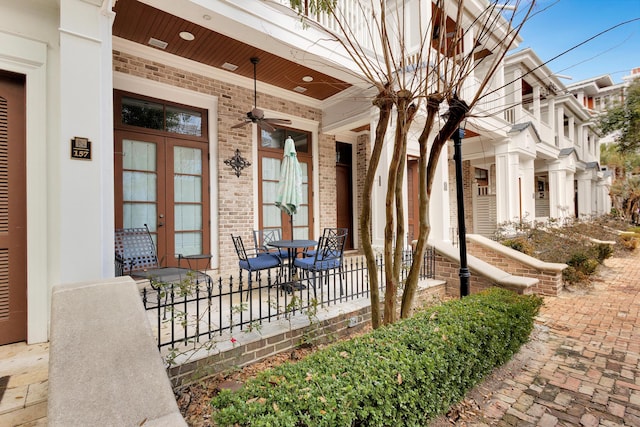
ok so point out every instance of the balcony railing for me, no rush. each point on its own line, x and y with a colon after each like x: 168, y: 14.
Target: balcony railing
x: 354, y: 18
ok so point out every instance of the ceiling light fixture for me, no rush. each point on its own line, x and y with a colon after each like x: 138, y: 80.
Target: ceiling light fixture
x: 186, y: 35
x: 307, y: 79
x: 300, y: 89
x: 206, y: 17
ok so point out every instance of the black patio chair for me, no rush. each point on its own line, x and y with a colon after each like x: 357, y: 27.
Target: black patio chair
x: 254, y: 261
x: 135, y: 251
x: 328, y: 256
x: 262, y: 238
x: 327, y: 231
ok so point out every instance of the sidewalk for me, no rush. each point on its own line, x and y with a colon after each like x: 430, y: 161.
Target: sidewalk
x: 24, y: 372
x: 581, y: 367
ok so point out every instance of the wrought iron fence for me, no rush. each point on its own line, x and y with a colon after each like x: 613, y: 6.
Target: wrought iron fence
x: 194, y: 309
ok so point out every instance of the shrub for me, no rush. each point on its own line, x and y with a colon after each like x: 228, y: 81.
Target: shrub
x: 399, y: 375
x: 582, y: 264
x: 630, y: 241
x: 520, y: 244
x: 604, y: 251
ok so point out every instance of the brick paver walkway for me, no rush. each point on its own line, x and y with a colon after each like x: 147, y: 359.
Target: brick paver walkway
x: 582, y: 366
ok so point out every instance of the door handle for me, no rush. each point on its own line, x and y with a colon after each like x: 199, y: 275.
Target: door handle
x: 160, y: 223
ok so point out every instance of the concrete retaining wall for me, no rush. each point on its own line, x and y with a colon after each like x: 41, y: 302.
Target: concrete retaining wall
x: 104, y: 366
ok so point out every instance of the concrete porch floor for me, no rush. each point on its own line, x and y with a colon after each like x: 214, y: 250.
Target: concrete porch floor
x: 24, y: 372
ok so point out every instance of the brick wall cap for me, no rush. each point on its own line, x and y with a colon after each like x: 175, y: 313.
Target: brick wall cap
x: 484, y: 269
x: 516, y: 255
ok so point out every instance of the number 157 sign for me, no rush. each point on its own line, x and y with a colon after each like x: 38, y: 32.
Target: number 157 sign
x: 81, y: 148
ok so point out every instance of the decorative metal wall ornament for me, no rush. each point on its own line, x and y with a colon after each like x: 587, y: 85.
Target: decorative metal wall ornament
x: 237, y: 163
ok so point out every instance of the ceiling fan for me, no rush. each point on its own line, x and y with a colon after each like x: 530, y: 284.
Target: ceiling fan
x: 257, y: 115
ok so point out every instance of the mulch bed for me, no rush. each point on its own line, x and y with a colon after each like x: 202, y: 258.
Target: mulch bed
x: 193, y: 400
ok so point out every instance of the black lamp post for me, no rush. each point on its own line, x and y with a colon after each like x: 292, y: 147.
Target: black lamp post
x: 462, y: 232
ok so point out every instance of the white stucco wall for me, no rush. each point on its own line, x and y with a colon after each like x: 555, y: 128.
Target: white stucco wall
x: 64, y: 50
x: 83, y: 195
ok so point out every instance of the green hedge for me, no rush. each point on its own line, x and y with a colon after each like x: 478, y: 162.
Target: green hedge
x: 400, y: 375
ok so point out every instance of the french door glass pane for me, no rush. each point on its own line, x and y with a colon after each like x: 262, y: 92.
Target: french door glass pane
x: 183, y: 121
x: 305, y: 184
x: 187, y: 160
x: 270, y: 175
x: 188, y: 243
x: 271, y: 216
x: 270, y: 169
x: 301, y: 233
x: 136, y: 215
x: 187, y: 188
x: 139, y: 186
x: 269, y: 191
x: 143, y: 113
x: 188, y: 217
x: 140, y: 182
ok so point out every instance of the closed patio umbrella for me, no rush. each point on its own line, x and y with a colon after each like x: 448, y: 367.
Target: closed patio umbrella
x: 289, y: 194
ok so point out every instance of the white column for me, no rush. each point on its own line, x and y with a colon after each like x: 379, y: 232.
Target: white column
x: 507, y: 187
x: 517, y: 94
x: 551, y: 118
x: 568, y: 204
x: 581, y: 141
x: 557, y: 191
x: 527, y: 189
x: 536, y: 103
x: 585, y: 193
x: 603, y: 201
x: 379, y: 190
x: 439, y: 206
x: 572, y: 128
x: 82, y: 195
x: 559, y: 123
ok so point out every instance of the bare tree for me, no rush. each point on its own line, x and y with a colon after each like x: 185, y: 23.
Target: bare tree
x: 417, y: 72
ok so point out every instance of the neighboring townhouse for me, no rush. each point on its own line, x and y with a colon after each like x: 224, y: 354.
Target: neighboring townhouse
x: 130, y: 112
x: 542, y: 161
x: 597, y: 94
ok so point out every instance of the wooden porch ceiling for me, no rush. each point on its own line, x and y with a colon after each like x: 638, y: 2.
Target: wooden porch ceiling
x: 139, y: 22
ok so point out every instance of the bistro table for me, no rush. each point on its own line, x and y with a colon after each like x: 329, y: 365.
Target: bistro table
x: 292, y: 247
x: 197, y: 258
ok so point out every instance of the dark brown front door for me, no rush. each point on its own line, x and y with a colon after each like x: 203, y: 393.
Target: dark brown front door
x: 162, y: 182
x: 343, y: 201
x: 13, y: 232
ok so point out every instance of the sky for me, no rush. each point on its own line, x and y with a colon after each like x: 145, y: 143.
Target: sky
x: 563, y: 24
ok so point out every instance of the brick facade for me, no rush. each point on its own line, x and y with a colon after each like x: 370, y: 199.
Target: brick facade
x: 235, y: 195
x: 327, y: 177
x: 448, y: 271
x: 363, y: 155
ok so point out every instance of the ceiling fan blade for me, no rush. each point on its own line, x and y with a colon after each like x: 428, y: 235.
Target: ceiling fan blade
x: 239, y: 125
x: 266, y: 126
